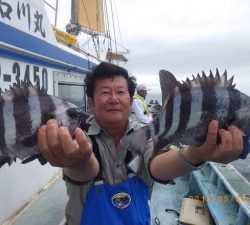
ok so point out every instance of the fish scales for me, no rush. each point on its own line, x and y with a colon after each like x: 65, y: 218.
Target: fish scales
x: 206, y: 104
x: 34, y: 108
x: 185, y: 110
x: 222, y: 104
x: 234, y: 104
x: 2, y: 129
x: 189, y: 107
x: 9, y: 121
x: 168, y: 118
x: 203, y: 110
x: 46, y: 106
x: 23, y: 109
x: 21, y: 116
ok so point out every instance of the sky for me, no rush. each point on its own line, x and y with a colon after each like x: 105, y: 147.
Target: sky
x: 184, y: 37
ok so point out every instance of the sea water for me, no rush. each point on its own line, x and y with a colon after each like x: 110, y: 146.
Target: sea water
x: 154, y: 96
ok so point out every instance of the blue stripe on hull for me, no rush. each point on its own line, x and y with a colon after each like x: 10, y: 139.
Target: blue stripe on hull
x: 25, y: 41
x: 19, y: 56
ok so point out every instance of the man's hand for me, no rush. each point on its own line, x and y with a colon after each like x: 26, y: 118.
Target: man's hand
x: 228, y: 150
x: 59, y: 148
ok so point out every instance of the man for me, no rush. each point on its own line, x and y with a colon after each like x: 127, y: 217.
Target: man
x: 139, y: 110
x: 99, y: 184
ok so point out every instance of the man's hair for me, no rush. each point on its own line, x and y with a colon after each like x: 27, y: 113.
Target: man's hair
x: 107, y: 70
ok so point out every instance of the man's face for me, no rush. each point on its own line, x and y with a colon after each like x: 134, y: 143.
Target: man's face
x: 142, y: 93
x: 111, y: 103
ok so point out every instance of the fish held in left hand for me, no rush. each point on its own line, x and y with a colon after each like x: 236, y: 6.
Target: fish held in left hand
x: 23, y: 109
x: 188, y: 108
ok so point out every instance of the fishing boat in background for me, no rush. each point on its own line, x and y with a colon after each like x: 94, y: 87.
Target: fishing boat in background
x: 93, y: 30
x: 33, y: 49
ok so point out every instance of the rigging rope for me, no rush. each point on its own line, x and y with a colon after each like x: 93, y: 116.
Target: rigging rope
x: 118, y: 24
x: 96, y: 49
x: 107, y: 24
x: 113, y: 25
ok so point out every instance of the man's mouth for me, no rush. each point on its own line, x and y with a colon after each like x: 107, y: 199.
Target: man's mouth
x: 113, y: 110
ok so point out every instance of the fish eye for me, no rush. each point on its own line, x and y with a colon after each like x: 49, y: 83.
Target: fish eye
x: 231, y: 120
x: 72, y: 113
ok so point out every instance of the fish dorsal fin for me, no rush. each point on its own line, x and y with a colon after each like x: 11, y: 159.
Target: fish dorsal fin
x: 168, y: 84
x: 204, y: 80
x: 26, y: 88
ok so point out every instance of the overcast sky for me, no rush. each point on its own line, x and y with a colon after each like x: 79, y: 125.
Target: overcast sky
x: 184, y: 37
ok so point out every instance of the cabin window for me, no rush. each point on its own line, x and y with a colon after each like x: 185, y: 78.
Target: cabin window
x: 73, y: 93
x: 71, y: 87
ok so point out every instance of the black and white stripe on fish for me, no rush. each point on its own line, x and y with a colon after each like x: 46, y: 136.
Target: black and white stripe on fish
x: 188, y: 108
x: 23, y: 109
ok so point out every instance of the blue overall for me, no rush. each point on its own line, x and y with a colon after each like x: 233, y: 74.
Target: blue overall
x: 125, y: 203
x: 101, y: 207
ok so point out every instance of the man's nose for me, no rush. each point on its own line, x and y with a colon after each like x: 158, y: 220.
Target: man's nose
x: 114, y: 97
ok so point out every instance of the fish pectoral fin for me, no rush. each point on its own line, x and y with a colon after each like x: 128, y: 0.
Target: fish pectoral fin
x: 30, y: 141
x: 5, y: 159
x: 38, y: 156
x: 41, y: 159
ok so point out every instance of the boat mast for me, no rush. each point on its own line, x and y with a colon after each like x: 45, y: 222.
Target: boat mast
x: 88, y: 16
x: 73, y: 12
x: 73, y: 27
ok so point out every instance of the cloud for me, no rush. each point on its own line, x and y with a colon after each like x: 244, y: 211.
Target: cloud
x: 184, y: 37
x: 232, y: 50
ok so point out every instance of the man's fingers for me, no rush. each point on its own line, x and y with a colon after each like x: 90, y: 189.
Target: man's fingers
x: 212, y: 133
x: 84, y: 146
x: 237, y: 135
x: 42, y: 139
x: 43, y: 144
x: 74, y: 149
x: 58, y: 147
x: 52, y: 134
x: 69, y: 147
x: 225, y: 139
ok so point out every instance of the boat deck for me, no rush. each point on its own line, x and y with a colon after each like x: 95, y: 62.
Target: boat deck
x: 221, y: 187
x: 166, y: 201
x: 47, y: 208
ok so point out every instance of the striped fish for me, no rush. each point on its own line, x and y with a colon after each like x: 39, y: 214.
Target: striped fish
x: 23, y: 109
x: 188, y: 108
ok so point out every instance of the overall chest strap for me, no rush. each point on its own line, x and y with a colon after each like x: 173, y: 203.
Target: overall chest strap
x: 96, y: 151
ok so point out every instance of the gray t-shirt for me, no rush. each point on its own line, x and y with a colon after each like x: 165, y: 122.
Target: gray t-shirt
x: 113, y: 165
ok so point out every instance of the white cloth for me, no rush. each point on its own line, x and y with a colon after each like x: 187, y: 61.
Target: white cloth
x: 137, y: 112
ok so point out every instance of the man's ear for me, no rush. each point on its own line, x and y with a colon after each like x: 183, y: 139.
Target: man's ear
x: 131, y: 101
x: 91, y: 104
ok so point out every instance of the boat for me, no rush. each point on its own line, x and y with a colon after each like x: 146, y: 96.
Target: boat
x: 215, y: 194
x: 32, y: 49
